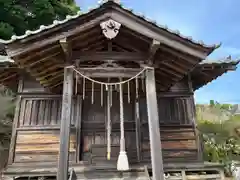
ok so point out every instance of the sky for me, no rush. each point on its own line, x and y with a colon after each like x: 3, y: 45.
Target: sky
x: 212, y: 21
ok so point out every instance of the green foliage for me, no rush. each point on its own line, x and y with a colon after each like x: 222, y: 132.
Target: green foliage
x: 17, y: 16
x: 212, y: 103
x: 7, y: 107
x: 220, y: 138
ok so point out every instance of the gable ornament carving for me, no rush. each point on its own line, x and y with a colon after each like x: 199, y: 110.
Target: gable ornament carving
x: 110, y: 28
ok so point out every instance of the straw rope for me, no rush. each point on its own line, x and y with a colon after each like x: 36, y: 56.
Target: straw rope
x: 107, y: 83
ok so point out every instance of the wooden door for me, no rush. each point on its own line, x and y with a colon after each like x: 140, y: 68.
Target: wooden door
x: 94, y: 133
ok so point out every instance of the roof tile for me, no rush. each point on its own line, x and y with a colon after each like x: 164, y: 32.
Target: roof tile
x: 70, y: 17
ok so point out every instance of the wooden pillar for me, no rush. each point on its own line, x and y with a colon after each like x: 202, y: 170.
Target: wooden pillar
x: 199, y: 139
x: 138, y: 127
x: 15, y: 123
x: 62, y: 173
x: 153, y: 123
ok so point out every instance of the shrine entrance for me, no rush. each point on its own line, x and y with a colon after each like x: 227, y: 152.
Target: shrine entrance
x: 110, y: 117
x: 94, y: 130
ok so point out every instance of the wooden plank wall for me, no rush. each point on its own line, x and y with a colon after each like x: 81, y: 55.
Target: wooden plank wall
x: 94, y: 130
x: 41, y: 111
x: 37, y: 138
x: 178, y: 143
x: 40, y: 146
x: 177, y: 129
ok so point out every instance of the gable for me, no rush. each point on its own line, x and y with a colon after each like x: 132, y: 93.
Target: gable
x: 42, y: 55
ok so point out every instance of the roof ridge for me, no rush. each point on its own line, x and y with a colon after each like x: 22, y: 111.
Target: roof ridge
x: 227, y: 59
x: 79, y: 13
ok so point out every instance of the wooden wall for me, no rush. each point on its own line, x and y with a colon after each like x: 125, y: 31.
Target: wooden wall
x: 177, y: 130
x: 94, y: 125
x: 41, y: 146
x: 38, y: 127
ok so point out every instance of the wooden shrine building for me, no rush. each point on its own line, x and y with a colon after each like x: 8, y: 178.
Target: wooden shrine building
x: 106, y: 94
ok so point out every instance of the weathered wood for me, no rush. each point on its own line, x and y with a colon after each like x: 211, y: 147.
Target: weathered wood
x: 105, y: 56
x: 78, y: 126
x: 178, y: 54
x: 41, y: 146
x: 152, y: 51
x: 131, y: 22
x: 66, y: 47
x: 109, y: 72
x: 153, y: 122
x: 14, y: 130
x: 39, y: 44
x: 174, y: 94
x: 172, y: 66
x: 15, y: 123
x: 62, y: 173
x: 138, y: 129
x: 198, y: 139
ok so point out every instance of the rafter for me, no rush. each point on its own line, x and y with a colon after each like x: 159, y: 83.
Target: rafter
x: 66, y: 48
x: 170, y: 72
x: 43, y: 59
x: 51, y: 75
x: 37, y: 54
x: 8, y: 77
x: 188, y: 58
x: 49, y: 81
x: 172, y: 66
x: 152, y: 51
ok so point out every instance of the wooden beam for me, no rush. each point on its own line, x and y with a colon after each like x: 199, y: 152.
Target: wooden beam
x: 166, y: 76
x: 79, y: 126
x: 51, y: 75
x: 137, y: 128
x: 173, y: 66
x: 15, y: 124
x: 104, y: 56
x: 42, y: 52
x: 66, y: 48
x: 187, y: 58
x: 42, y: 60
x: 152, y: 51
x: 171, y: 72
x: 8, y: 77
x: 94, y: 46
x: 46, y: 70
x: 49, y: 81
x: 109, y: 72
x: 63, y: 160
x: 141, y: 27
x: 60, y: 82
x: 27, y: 47
x: 128, y: 43
x: 153, y: 123
x: 88, y: 41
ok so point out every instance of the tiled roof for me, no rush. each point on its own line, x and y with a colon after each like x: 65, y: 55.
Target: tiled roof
x: 227, y: 60
x: 5, y: 59
x: 69, y: 17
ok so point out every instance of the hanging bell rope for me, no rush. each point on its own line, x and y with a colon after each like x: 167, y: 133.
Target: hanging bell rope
x: 108, y: 125
x: 122, y: 163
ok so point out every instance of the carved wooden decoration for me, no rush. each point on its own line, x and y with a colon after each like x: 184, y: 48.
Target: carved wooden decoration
x: 110, y: 28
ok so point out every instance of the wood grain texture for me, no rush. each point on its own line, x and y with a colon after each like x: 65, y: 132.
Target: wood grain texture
x: 178, y: 144
x: 41, y: 146
x: 44, y: 111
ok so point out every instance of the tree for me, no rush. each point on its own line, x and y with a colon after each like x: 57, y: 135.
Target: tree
x: 17, y: 16
x: 220, y: 135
